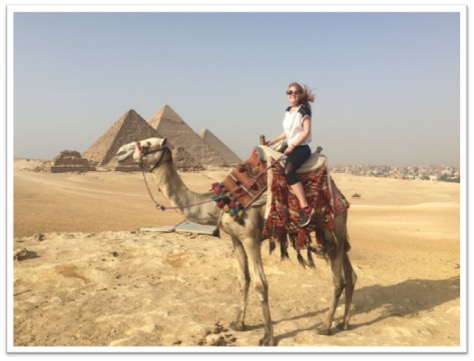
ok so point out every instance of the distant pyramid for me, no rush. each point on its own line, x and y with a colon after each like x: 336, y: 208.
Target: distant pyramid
x: 169, y: 124
x: 165, y: 113
x: 130, y: 127
x: 224, y: 151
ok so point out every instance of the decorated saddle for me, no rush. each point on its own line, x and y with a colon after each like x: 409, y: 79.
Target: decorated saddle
x: 263, y: 171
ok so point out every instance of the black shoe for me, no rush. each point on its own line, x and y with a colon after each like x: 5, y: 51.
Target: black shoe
x: 305, y: 216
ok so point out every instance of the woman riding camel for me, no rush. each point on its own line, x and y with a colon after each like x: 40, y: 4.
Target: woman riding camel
x: 297, y: 133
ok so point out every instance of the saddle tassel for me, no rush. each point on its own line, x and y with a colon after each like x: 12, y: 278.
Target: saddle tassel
x: 302, y: 238
x: 308, y: 252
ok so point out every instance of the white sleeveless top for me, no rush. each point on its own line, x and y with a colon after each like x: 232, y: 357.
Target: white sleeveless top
x: 293, y: 124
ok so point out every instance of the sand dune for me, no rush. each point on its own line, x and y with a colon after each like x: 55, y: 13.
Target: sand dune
x: 91, y: 278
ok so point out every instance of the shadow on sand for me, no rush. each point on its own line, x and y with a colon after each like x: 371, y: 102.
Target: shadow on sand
x: 405, y: 299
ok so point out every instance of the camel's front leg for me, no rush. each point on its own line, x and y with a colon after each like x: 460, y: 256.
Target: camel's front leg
x: 252, y: 248
x: 244, y: 278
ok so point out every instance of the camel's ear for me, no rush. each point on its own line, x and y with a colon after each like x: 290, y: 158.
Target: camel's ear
x: 164, y: 141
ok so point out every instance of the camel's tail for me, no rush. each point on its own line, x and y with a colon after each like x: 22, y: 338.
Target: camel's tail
x: 347, y: 244
x: 349, y: 273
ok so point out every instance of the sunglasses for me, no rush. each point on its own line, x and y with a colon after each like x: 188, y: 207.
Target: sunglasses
x: 291, y: 92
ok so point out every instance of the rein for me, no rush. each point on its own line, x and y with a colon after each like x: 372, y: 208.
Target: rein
x: 144, y: 152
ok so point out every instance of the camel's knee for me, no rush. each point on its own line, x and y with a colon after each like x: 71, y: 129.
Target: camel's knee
x: 245, y: 278
x: 262, y: 291
x: 338, y: 288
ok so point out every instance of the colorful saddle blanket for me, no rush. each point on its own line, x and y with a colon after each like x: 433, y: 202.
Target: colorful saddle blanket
x: 322, y: 194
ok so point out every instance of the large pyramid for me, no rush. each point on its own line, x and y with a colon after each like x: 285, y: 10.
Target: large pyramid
x: 130, y: 127
x: 169, y: 124
x: 224, y: 151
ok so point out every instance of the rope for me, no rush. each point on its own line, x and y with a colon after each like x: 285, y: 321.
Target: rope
x: 149, y: 191
x: 164, y: 208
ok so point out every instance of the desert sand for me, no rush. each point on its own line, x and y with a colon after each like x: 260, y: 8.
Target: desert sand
x: 85, y: 275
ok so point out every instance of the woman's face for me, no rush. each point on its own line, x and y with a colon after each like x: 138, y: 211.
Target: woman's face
x: 294, y: 94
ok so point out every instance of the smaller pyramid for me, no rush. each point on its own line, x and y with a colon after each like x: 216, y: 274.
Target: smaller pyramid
x: 129, y: 128
x: 169, y: 124
x: 224, y: 151
x: 70, y: 161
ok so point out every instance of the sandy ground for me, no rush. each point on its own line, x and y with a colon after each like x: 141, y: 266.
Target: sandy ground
x: 91, y: 278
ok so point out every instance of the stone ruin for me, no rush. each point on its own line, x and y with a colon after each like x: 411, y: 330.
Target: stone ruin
x: 70, y: 161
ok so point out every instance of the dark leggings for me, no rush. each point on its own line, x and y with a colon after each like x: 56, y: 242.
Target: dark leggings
x: 295, y: 160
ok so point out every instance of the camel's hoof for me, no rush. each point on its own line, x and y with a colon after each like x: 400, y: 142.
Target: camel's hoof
x: 267, y: 341
x: 324, y: 332
x: 343, y: 326
x: 238, y: 326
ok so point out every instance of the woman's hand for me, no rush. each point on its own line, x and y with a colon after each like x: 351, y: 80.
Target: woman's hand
x: 289, y: 149
x: 277, y: 139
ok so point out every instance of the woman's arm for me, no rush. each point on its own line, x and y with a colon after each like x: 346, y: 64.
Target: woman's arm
x: 277, y: 139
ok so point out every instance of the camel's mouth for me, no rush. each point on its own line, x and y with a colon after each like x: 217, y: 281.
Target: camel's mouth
x: 123, y: 155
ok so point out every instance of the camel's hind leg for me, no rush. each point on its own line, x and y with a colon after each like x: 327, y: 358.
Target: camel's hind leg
x: 350, y: 279
x: 339, y: 263
x: 244, y: 278
x: 338, y: 283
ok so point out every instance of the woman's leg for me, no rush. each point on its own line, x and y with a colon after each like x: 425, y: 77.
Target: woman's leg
x: 294, y: 161
x: 298, y: 190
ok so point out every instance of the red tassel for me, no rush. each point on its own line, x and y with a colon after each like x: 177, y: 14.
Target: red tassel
x: 280, y: 234
x: 301, y: 238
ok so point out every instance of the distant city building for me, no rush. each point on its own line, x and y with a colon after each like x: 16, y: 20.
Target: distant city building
x: 428, y: 173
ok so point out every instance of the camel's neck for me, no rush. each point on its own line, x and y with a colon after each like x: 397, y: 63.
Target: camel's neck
x: 196, y: 207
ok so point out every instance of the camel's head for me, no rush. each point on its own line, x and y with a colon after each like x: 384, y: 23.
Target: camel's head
x: 149, y: 152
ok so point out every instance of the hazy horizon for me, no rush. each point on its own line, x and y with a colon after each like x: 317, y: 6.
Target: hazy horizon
x: 387, y: 84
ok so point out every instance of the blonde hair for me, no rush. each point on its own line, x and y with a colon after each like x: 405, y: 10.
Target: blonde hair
x: 307, y: 95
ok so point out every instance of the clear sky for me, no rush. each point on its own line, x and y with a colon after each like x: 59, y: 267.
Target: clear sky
x: 387, y: 84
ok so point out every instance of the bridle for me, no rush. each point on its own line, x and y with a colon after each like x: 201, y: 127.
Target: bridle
x: 144, y: 151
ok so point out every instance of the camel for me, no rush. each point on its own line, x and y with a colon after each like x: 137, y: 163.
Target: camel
x: 155, y: 155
